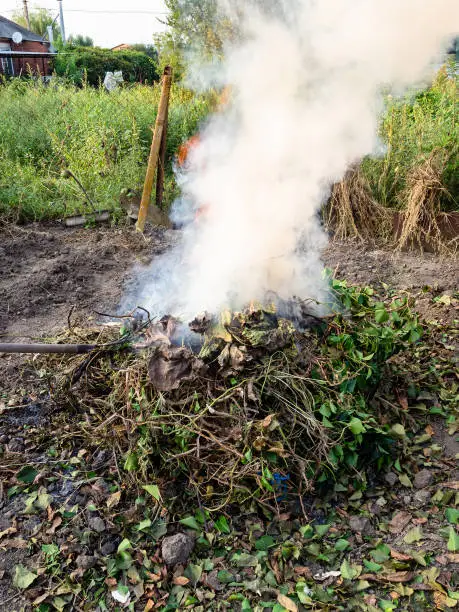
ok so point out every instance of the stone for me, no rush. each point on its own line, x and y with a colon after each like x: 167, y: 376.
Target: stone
x: 15, y: 445
x: 96, y: 524
x: 360, y: 524
x: 177, y: 548
x: 391, y: 478
x: 108, y: 548
x: 422, y: 498
x: 423, y: 479
x: 85, y: 562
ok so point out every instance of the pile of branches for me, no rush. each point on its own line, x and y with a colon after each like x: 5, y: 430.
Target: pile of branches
x: 261, y: 412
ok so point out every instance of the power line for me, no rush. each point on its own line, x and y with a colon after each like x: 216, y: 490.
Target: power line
x: 112, y: 12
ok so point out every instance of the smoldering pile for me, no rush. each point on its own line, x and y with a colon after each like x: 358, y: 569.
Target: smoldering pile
x: 258, y: 402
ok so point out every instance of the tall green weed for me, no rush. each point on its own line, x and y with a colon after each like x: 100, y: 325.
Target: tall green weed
x: 103, y: 138
x: 411, y: 129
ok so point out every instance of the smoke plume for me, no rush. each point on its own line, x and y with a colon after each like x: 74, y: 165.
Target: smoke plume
x: 307, y: 86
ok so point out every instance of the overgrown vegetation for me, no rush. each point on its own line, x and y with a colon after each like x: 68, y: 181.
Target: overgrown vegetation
x: 102, y: 138
x: 86, y: 64
x: 416, y: 178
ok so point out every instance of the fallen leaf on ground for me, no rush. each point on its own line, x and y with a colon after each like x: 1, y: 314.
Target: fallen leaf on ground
x: 114, y: 499
x: 302, y: 571
x: 394, y: 577
x: 57, y: 521
x: 287, y: 603
x: 15, y: 543
x: 452, y: 484
x: 399, y: 521
x: 181, y: 580
x: 414, y: 535
x: 23, y: 577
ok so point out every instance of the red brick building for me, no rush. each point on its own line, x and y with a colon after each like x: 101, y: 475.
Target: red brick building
x: 23, y: 51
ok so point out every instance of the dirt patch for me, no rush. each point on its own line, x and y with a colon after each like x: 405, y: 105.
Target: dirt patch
x: 48, y: 269
x: 411, y: 271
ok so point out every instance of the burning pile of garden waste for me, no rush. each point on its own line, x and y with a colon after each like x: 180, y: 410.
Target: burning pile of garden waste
x: 260, y: 401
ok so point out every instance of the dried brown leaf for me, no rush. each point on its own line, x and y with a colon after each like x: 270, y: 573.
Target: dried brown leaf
x: 399, y: 556
x: 287, y: 603
x: 181, y: 580
x: 399, y: 521
x: 57, y: 521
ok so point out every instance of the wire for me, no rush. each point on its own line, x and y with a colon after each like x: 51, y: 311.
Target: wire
x: 113, y: 12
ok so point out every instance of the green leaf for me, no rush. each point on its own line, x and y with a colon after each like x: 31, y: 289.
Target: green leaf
x: 143, y: 525
x: 381, y: 315
x: 397, y: 431
x: 194, y: 573
x: 23, y: 578
x: 27, y: 475
x: 321, y: 530
x: 43, y: 501
x: 356, y: 426
x: 349, y: 571
x: 124, y: 545
x: 452, y: 515
x: 405, y: 481
x: 225, y: 577
x: 453, y: 540
x: 414, y: 535
x: 372, y: 566
x: 124, y: 560
x: 244, y: 560
x: 265, y: 543
x: 387, y: 606
x: 153, y: 490
x: 222, y: 525
x: 131, y: 463
x: 270, y: 579
x: 342, y: 544
x: 381, y: 553
x: 190, y: 522
x: 419, y: 558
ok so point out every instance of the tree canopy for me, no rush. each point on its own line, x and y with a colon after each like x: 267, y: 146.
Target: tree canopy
x: 40, y: 19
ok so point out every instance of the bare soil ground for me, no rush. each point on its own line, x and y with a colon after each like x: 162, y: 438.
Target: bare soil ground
x: 48, y: 270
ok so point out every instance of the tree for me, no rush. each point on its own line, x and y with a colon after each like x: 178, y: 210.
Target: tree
x: 80, y: 41
x: 149, y: 50
x: 196, y: 24
x: 40, y: 19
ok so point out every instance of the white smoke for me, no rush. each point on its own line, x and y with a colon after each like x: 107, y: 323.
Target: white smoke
x: 307, y: 86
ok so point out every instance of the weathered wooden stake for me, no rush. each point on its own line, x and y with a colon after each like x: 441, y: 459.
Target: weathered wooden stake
x: 161, y: 164
x: 155, y: 146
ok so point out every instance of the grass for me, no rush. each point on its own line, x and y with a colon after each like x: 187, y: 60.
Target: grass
x: 411, y: 130
x: 102, y: 138
x: 418, y: 176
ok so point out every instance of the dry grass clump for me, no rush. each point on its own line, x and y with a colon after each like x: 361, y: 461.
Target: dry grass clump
x: 421, y: 218
x: 352, y: 211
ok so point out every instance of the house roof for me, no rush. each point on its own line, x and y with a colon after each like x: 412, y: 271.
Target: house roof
x: 8, y: 28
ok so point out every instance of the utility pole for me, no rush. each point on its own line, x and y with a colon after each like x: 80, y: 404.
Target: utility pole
x: 26, y: 13
x: 61, y: 19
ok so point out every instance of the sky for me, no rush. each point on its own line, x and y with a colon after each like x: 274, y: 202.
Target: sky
x: 107, y: 22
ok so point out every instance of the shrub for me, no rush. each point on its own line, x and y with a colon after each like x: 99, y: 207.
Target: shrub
x: 90, y: 64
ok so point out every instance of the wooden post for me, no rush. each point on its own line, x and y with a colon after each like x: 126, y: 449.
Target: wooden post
x: 161, y: 119
x: 161, y: 164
